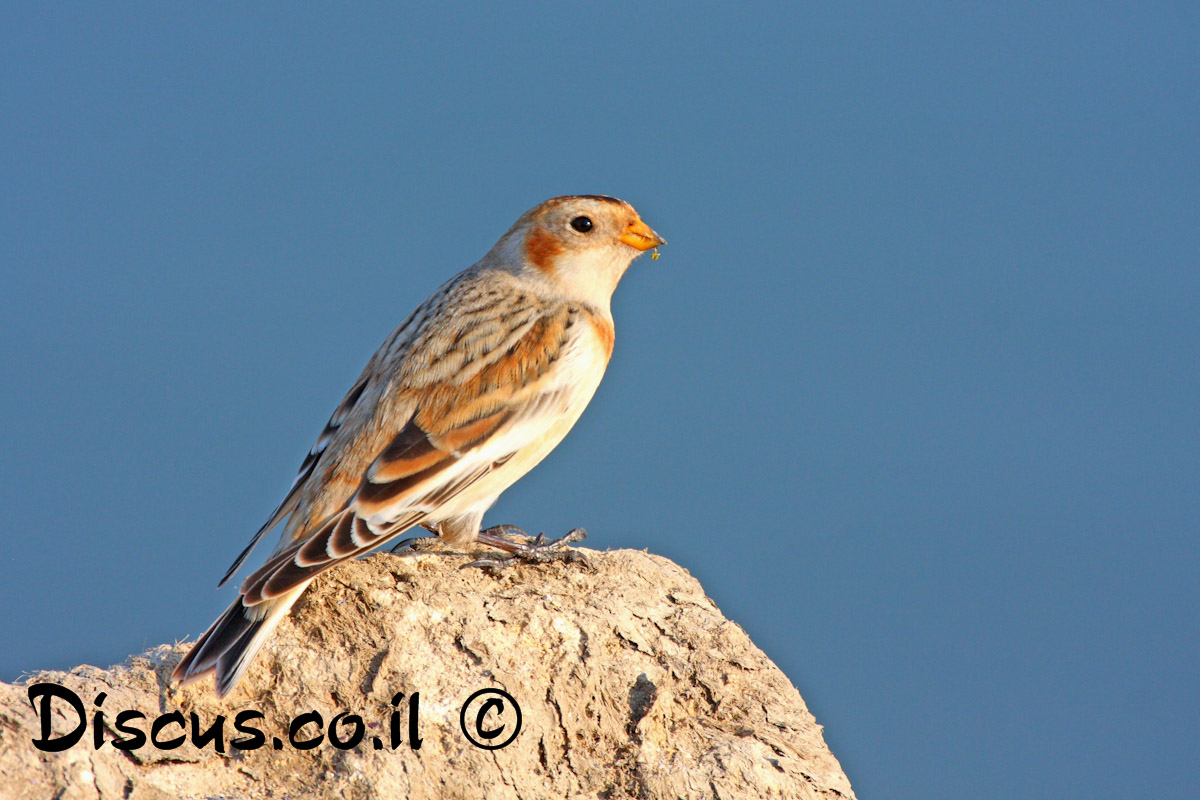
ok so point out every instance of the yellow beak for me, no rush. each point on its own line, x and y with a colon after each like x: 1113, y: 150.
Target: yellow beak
x: 639, y: 235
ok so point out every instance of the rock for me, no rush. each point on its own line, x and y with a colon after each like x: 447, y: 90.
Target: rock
x: 630, y: 683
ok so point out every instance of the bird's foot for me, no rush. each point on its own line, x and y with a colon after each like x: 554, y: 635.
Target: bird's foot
x: 508, y: 538
x: 529, y: 549
x: 413, y: 545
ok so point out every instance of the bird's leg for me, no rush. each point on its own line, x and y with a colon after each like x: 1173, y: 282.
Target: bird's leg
x: 508, y: 538
x: 407, y: 547
x: 537, y: 550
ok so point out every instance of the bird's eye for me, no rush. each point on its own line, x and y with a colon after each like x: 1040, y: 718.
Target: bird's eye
x: 582, y: 224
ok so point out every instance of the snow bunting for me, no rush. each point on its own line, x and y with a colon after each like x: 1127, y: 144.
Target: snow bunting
x: 476, y: 387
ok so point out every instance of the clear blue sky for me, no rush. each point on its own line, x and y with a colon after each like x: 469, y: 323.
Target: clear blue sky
x: 914, y: 390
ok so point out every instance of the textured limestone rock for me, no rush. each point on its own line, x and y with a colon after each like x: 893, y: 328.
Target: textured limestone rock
x: 629, y: 681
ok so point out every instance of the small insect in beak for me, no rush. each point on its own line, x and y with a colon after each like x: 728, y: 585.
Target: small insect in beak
x: 654, y: 255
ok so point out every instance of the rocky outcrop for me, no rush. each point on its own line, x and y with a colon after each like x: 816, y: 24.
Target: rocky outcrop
x: 629, y: 681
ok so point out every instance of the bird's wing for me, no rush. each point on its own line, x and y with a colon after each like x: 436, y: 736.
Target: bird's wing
x: 333, y: 451
x: 292, y: 499
x: 467, y: 398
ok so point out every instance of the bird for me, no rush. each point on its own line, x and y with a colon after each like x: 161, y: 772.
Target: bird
x: 460, y: 401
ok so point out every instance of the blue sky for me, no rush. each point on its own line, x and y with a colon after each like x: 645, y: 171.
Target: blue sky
x: 912, y: 391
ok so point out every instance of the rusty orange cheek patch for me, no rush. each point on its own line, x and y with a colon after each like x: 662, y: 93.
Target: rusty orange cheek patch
x: 541, y: 248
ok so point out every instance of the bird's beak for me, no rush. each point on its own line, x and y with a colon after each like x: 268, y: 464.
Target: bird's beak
x: 639, y: 235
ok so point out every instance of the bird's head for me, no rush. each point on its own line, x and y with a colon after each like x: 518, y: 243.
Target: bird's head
x: 581, y: 244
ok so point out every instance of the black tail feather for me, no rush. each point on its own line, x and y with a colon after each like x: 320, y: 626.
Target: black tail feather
x: 225, y: 648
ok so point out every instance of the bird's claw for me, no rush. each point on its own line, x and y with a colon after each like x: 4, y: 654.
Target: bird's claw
x: 411, y: 546
x: 539, y: 550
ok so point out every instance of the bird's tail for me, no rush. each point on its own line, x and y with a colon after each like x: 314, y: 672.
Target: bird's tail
x: 229, y: 645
